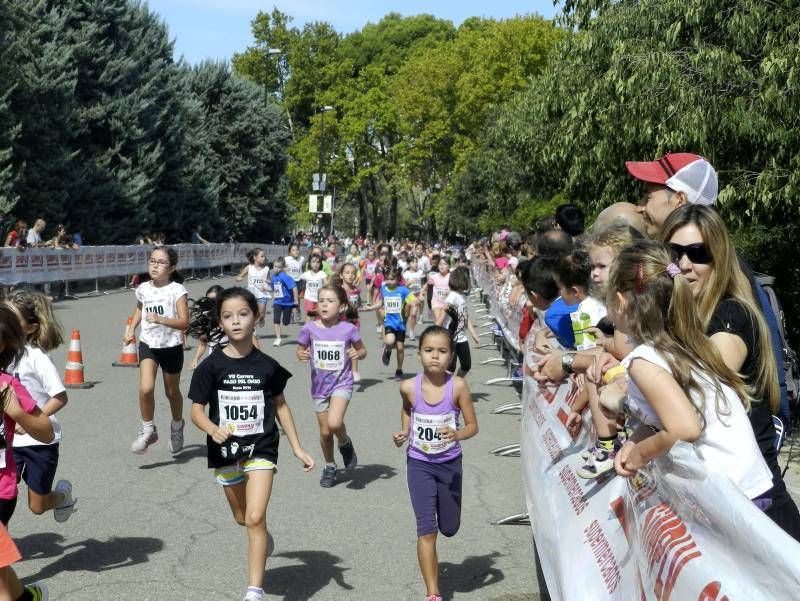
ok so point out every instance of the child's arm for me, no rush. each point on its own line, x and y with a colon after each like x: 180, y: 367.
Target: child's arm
x: 202, y: 345
x: 540, y: 340
x: 678, y: 417
x: 406, y: 390
x: 295, y: 296
x: 242, y: 273
x: 472, y: 331
x: 302, y: 352
x: 35, y: 423
x: 199, y: 418
x: 357, y: 350
x: 284, y: 415
x: 136, y: 319
x: 178, y: 323
x: 439, y: 318
x: 463, y: 399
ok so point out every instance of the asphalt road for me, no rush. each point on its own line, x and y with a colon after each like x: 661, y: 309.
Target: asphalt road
x: 156, y: 527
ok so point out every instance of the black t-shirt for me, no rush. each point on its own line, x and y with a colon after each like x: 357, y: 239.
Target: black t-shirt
x: 240, y: 395
x: 732, y: 317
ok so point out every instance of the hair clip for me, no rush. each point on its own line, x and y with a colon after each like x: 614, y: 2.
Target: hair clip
x: 673, y: 270
x: 640, y: 278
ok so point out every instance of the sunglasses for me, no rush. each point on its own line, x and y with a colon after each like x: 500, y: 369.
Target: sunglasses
x: 696, y: 253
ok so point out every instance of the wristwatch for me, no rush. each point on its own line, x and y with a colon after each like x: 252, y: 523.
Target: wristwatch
x: 566, y: 362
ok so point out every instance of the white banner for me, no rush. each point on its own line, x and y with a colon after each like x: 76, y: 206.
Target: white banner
x: 39, y: 265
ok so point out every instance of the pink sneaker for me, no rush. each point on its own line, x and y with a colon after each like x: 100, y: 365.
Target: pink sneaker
x: 433, y: 598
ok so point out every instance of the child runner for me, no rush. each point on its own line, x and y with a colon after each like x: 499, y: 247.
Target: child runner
x: 243, y: 389
x: 315, y: 278
x: 294, y: 267
x: 330, y: 344
x: 414, y: 277
x: 432, y: 402
x: 37, y: 462
x: 257, y: 272
x: 203, y: 310
x: 348, y: 276
x: 284, y: 294
x: 18, y: 407
x: 10, y: 586
x: 394, y: 298
x: 455, y: 320
x: 370, y: 267
x: 438, y: 281
x: 163, y: 302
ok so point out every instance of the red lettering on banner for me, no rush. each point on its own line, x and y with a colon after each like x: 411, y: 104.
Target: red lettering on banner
x: 551, y: 444
x: 21, y: 261
x: 711, y: 593
x: 89, y: 259
x: 603, y: 555
x: 5, y: 262
x: 547, y: 394
x: 66, y: 259
x: 99, y: 258
x: 52, y: 260
x: 37, y: 261
x: 111, y: 258
x: 574, y: 390
x: 538, y: 416
x: 573, y: 487
x: 668, y: 545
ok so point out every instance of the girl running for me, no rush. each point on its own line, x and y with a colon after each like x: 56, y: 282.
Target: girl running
x: 455, y: 318
x: 284, y: 293
x: 370, y: 267
x: 315, y: 278
x: 331, y: 345
x: 432, y: 402
x: 18, y: 408
x: 163, y: 302
x: 393, y: 300
x: 414, y: 277
x: 243, y: 389
x: 37, y: 462
x: 294, y: 267
x: 257, y: 272
x: 202, y: 311
x: 348, y: 276
x: 439, y: 282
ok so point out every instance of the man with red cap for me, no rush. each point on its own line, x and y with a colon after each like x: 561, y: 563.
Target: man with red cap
x: 671, y: 182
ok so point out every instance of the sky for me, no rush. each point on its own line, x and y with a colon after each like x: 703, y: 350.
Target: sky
x: 216, y: 29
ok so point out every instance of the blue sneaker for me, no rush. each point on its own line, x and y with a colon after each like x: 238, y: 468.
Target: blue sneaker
x: 328, y: 476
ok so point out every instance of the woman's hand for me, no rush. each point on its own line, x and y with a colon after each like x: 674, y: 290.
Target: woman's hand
x: 574, y: 424
x: 541, y: 342
x: 629, y: 460
x: 548, y: 368
x: 399, y: 438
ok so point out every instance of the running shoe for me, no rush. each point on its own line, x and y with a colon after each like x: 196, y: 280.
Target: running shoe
x: 253, y: 596
x: 386, y: 354
x: 328, y: 476
x: 398, y: 375
x: 143, y: 441
x: 349, y: 457
x: 277, y: 342
x: 356, y: 377
x: 38, y: 591
x: 379, y: 329
x: 176, y: 438
x: 433, y: 598
x: 411, y: 335
x: 63, y: 510
x: 598, y: 463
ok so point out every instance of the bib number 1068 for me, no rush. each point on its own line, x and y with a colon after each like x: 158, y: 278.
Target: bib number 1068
x: 240, y: 412
x: 328, y: 355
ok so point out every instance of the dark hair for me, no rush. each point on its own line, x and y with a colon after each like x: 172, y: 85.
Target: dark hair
x: 203, y: 322
x: 252, y: 254
x: 570, y: 218
x: 521, y: 269
x: 394, y: 273
x: 12, y: 336
x: 459, y: 280
x: 433, y: 330
x: 538, y: 278
x: 544, y: 224
x: 351, y: 314
x: 216, y: 289
x: 236, y: 292
x: 574, y: 270
x: 553, y: 245
x: 172, y: 255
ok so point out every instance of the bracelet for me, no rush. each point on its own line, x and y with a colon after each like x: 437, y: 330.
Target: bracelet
x: 612, y: 373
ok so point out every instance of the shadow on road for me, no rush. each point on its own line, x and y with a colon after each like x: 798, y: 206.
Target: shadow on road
x: 480, y: 396
x: 366, y: 383
x: 474, y: 573
x: 90, y: 555
x: 301, y: 582
x: 189, y: 452
x: 359, y: 477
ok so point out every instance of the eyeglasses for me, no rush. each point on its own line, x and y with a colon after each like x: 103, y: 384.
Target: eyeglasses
x: 696, y: 253
x: 160, y: 263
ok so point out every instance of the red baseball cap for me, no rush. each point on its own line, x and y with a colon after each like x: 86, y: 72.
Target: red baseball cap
x: 682, y: 172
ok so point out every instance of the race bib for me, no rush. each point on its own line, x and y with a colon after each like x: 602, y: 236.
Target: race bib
x: 392, y: 305
x: 312, y: 290
x: 294, y: 271
x: 241, y: 412
x: 278, y: 290
x: 329, y: 355
x: 425, y: 432
x: 371, y: 268
x: 2, y: 459
x: 440, y: 294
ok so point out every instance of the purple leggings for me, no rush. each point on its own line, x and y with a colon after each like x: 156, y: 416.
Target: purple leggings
x: 435, y: 490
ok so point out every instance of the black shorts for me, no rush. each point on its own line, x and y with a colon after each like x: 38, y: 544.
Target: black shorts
x: 36, y: 466
x: 399, y: 335
x: 301, y: 286
x: 282, y: 311
x: 463, y: 356
x: 170, y: 359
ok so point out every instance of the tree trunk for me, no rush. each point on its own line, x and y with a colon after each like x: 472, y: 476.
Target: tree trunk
x: 377, y: 226
x: 363, y: 217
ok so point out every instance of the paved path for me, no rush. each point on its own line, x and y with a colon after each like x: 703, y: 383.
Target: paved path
x: 155, y: 527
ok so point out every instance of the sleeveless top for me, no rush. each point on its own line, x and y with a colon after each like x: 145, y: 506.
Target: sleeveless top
x: 424, y: 441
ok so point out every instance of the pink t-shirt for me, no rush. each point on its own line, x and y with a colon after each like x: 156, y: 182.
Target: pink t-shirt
x: 441, y: 288
x: 8, y: 474
x: 501, y: 262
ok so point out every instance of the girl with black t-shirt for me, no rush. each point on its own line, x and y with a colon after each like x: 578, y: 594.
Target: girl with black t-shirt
x: 243, y: 389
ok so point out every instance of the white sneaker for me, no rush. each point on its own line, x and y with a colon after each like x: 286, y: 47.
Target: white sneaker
x: 411, y: 335
x: 277, y: 342
x: 63, y: 510
x: 356, y: 376
x: 176, y: 438
x: 253, y: 596
x: 38, y: 591
x: 143, y: 441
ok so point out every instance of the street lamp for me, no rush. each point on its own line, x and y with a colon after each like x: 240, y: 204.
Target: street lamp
x: 270, y: 52
x: 322, y: 179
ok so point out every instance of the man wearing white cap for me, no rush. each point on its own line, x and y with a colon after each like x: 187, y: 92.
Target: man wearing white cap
x: 671, y: 182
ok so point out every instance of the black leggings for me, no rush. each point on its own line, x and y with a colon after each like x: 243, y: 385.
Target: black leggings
x: 464, y: 358
x: 7, y: 507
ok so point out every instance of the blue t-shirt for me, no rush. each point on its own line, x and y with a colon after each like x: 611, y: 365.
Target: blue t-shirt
x: 282, y: 284
x: 393, y: 301
x: 558, y: 320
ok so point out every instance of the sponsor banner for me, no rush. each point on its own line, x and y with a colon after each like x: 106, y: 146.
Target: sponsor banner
x: 41, y: 265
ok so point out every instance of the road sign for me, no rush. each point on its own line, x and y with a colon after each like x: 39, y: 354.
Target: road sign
x: 327, y: 204
x: 313, y: 203
x: 316, y: 185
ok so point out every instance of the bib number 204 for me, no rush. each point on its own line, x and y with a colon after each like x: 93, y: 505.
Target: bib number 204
x: 428, y: 434
x: 240, y: 412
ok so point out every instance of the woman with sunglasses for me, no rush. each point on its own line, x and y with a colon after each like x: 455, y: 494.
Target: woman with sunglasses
x: 732, y: 318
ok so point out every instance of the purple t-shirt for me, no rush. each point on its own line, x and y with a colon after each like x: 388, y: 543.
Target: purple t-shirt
x: 331, y: 369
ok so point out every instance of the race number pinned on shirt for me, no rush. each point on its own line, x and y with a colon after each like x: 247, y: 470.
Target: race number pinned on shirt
x: 241, y: 412
x: 392, y: 305
x: 277, y: 290
x: 294, y: 271
x: 426, y: 436
x: 312, y: 290
x: 371, y: 268
x: 329, y: 355
x: 2, y: 459
x: 440, y: 294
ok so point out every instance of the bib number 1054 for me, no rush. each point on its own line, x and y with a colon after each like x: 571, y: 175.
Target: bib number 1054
x: 240, y: 412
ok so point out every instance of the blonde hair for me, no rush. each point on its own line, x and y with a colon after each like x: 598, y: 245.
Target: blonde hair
x: 727, y: 280
x: 37, y: 309
x: 661, y: 311
x: 615, y: 235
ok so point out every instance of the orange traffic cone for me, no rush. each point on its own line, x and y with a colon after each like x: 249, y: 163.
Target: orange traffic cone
x: 73, y: 375
x: 129, y: 356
